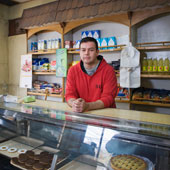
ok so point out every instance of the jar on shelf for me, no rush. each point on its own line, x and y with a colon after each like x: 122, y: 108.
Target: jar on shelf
x: 49, y: 44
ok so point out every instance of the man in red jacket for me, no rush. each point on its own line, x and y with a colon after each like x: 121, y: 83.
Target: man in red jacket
x: 91, y: 84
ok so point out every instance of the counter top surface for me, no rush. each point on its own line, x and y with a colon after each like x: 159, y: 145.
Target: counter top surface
x: 109, y: 112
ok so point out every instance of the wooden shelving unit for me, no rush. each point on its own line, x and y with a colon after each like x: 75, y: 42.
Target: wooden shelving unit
x: 118, y: 48
x: 122, y: 101
x: 53, y: 51
x: 151, y: 103
x: 159, y: 76
x: 43, y: 94
x: 44, y: 72
x: 163, y: 45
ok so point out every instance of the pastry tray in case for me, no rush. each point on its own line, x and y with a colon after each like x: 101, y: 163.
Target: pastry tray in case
x: 62, y: 159
x: 13, y: 144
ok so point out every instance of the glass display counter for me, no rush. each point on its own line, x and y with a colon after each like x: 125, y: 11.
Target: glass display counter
x: 79, y: 141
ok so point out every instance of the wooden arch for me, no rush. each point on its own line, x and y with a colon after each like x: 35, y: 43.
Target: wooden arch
x: 54, y: 27
x: 141, y: 16
x: 121, y: 18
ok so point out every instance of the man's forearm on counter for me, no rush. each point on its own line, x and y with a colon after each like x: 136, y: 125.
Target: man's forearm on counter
x: 95, y: 105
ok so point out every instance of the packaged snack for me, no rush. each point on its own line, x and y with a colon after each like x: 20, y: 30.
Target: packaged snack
x: 155, y: 94
x: 147, y: 94
x: 137, y: 93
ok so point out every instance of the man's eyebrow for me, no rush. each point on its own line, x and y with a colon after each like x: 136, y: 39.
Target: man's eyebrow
x: 87, y: 48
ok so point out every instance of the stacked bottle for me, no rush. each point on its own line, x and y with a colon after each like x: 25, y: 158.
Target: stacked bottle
x: 156, y: 64
x: 166, y: 64
x: 150, y: 64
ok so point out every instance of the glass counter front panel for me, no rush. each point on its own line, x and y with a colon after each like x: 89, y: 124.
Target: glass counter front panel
x: 81, y: 141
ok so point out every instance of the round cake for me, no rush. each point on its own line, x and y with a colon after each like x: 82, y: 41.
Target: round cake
x: 127, y: 162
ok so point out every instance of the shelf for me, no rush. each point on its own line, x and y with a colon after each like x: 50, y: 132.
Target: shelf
x: 120, y: 47
x: 154, y: 47
x: 44, y: 72
x: 43, y: 94
x: 43, y: 52
x: 122, y: 101
x: 152, y: 76
x: 150, y: 103
x: 163, y: 76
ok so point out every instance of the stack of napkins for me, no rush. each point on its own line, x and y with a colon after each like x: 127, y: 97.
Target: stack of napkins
x: 10, y: 98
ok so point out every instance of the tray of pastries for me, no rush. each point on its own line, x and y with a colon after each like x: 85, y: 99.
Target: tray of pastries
x: 130, y: 162
x: 12, y: 148
x: 30, y: 160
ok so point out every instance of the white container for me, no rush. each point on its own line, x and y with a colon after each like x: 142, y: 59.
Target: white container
x: 49, y: 44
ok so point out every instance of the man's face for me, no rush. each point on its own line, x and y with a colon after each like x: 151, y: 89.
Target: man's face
x: 88, y: 53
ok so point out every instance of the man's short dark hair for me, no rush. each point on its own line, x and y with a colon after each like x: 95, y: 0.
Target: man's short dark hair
x: 89, y: 39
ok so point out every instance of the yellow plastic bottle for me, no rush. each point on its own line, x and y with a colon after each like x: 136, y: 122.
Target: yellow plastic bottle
x: 144, y: 64
x: 160, y: 64
x: 150, y: 64
x: 155, y: 64
x: 166, y: 64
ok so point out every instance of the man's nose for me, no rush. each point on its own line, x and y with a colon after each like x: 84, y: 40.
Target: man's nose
x: 87, y: 51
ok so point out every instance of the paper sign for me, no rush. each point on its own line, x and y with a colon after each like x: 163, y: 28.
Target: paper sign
x: 61, y: 62
x: 26, y: 71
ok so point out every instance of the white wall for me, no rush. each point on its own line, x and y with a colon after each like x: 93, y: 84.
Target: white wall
x: 17, y: 46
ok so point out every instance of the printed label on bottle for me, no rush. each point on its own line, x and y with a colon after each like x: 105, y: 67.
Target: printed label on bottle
x: 155, y: 68
x: 166, y: 68
x: 160, y: 68
x: 144, y: 68
x: 150, y: 68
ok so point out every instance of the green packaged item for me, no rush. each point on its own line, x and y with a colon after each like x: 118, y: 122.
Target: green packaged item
x: 29, y: 99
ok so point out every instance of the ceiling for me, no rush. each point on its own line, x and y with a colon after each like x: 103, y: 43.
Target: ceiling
x: 13, y: 2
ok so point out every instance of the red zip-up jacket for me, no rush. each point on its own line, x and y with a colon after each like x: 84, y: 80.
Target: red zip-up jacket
x: 102, y: 85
